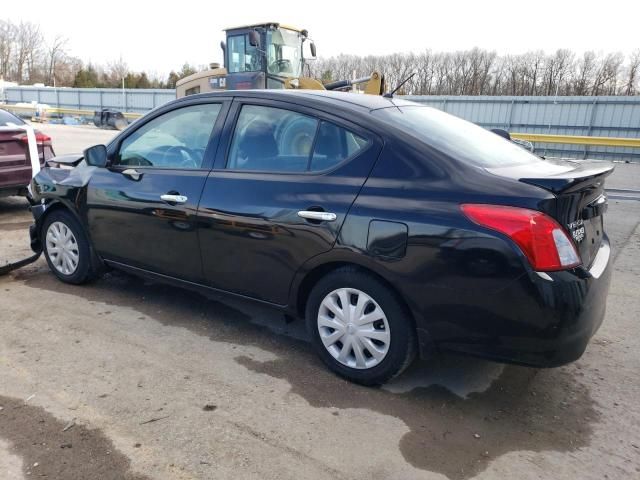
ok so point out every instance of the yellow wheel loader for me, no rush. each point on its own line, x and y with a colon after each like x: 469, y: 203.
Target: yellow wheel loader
x: 266, y: 55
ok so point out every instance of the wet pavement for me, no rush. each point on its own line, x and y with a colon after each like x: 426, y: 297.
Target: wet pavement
x: 161, y: 383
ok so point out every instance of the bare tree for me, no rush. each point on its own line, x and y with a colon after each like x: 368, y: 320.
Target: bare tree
x: 584, y: 79
x: 28, y: 41
x: 633, y: 72
x: 7, y: 42
x: 117, y: 70
x: 606, y: 77
x: 55, y: 53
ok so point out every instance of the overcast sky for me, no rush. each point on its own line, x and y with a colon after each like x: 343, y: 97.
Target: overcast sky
x: 160, y: 36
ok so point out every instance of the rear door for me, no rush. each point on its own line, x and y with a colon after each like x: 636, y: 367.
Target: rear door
x: 142, y: 210
x: 279, y: 193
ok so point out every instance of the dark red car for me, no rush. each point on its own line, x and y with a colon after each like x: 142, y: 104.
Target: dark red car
x: 15, y: 163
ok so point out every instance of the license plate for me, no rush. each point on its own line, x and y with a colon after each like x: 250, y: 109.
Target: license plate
x: 577, y: 231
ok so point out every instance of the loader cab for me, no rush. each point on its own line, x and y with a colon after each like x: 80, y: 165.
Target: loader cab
x: 267, y: 55
x: 263, y: 56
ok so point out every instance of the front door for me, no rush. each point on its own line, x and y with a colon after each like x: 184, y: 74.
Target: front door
x: 278, y: 195
x: 142, y: 210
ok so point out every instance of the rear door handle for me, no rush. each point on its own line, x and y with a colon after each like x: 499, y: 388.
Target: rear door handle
x: 319, y: 216
x: 169, y: 198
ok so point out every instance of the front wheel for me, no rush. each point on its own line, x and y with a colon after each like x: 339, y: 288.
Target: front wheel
x: 359, y: 328
x: 66, y: 248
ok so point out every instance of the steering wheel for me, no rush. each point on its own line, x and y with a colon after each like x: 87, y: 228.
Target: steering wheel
x: 281, y: 65
x: 188, y: 160
x: 136, y: 160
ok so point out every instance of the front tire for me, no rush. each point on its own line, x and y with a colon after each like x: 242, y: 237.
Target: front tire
x: 66, y: 248
x: 359, y: 328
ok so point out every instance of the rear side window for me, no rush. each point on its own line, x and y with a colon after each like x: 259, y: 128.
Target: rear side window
x: 462, y: 140
x: 333, y: 145
x: 7, y: 119
x: 271, y: 139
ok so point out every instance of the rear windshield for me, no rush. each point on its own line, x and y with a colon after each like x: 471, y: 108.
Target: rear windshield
x: 7, y: 119
x: 455, y: 137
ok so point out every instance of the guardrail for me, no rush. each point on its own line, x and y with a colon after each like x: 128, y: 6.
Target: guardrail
x: 579, y: 140
x: 55, y: 110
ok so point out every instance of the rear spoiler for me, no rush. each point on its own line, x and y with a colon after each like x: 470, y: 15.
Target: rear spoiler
x: 583, y: 175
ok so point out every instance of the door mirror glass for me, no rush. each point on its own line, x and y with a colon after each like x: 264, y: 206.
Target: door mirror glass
x: 254, y: 38
x: 96, y: 156
x: 312, y: 47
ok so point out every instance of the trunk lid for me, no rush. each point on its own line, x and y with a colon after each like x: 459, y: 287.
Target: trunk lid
x: 15, y: 165
x: 580, y: 198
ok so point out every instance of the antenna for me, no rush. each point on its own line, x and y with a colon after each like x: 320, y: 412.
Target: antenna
x: 390, y: 94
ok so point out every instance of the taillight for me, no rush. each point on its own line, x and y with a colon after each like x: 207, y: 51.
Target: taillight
x: 543, y: 241
x: 40, y: 138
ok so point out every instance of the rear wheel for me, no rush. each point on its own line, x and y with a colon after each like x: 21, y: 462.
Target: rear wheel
x: 359, y: 328
x: 66, y: 248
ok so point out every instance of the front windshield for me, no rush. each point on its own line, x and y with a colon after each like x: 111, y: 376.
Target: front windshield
x: 456, y: 137
x: 284, y: 53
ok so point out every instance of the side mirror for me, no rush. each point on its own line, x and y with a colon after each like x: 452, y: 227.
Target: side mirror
x: 312, y: 46
x: 96, y: 156
x: 254, y: 38
x: 501, y: 133
x: 223, y: 46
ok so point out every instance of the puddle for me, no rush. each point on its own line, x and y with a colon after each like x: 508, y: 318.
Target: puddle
x: 47, y: 451
x: 460, y: 375
x: 461, y: 413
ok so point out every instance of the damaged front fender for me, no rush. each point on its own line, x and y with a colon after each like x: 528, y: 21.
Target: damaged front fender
x: 62, y: 182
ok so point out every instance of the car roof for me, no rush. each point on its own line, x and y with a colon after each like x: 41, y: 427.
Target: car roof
x: 255, y: 25
x: 6, y: 116
x: 345, y: 100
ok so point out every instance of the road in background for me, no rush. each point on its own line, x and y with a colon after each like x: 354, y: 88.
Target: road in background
x: 74, y: 139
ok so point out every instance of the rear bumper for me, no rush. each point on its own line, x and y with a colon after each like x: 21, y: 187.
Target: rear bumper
x: 548, y: 320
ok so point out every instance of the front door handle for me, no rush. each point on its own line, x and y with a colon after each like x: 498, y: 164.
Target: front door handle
x: 132, y: 173
x: 318, y: 216
x: 169, y: 198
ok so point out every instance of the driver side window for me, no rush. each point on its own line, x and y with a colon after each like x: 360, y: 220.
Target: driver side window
x: 177, y: 139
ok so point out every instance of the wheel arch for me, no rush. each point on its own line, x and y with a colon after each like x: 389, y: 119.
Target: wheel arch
x: 307, y: 279
x: 51, y: 207
x: 56, y: 205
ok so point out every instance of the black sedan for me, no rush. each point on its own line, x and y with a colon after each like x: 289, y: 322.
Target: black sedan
x: 395, y: 229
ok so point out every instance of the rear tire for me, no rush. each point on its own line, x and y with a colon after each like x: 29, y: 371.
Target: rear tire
x: 66, y: 248
x: 372, y: 340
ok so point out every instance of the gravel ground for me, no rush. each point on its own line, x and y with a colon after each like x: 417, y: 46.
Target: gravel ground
x: 129, y: 379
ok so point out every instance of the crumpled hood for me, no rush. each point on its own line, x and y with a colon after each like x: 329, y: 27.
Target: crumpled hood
x: 66, y: 161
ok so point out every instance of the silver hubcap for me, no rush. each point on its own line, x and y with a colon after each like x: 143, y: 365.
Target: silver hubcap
x: 62, y: 248
x: 353, y: 328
